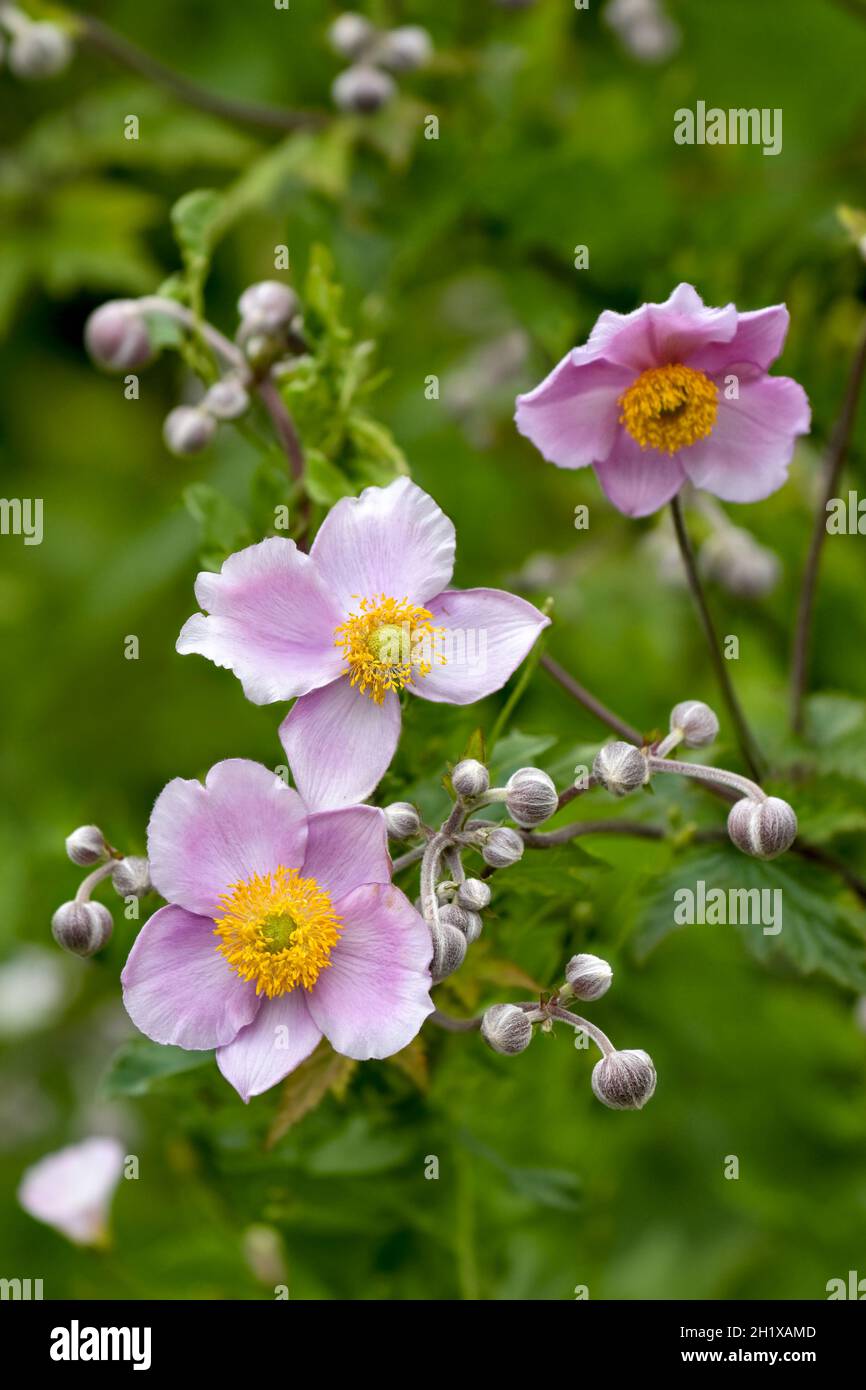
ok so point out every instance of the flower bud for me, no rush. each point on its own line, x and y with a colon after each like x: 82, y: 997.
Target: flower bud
x: 131, y: 877
x: 470, y: 779
x: 39, y: 50
x: 473, y: 894
x: 449, y: 951
x: 363, y: 89
x: 86, y: 846
x: 764, y: 829
x: 532, y: 797
x: 502, y: 848
x: 269, y: 305
x: 350, y: 34
x: 624, y: 1080
x: 469, y: 923
x: 402, y: 820
x: 82, y: 928
x: 736, y: 560
x: 188, y: 429
x: 589, y: 976
x: 506, y: 1029
x: 405, y: 49
x: 227, y: 399
x: 116, y: 336
x: 696, y: 722
x: 621, y: 768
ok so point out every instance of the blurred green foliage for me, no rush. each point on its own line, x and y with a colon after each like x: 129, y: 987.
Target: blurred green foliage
x: 452, y: 258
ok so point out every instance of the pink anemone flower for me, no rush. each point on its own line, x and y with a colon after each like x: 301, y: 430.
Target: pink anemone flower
x: 671, y: 393
x: 366, y: 615
x: 72, y: 1189
x: 281, y: 927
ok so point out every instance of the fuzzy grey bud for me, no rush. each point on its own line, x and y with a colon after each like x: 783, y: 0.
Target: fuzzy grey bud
x: 449, y: 951
x: 405, y: 49
x: 696, y: 722
x: 39, y: 50
x: 736, y: 560
x: 116, y: 336
x: 470, y: 779
x: 532, y: 797
x: 506, y: 1029
x: 350, y: 34
x: 502, y: 848
x: 86, y: 846
x: 764, y: 829
x: 402, y: 820
x: 621, y: 768
x: 473, y: 894
x: 131, y: 877
x: 589, y: 976
x: 227, y: 399
x: 188, y: 429
x: 82, y: 928
x: 268, y: 306
x: 624, y: 1080
x: 466, y: 921
x: 363, y: 89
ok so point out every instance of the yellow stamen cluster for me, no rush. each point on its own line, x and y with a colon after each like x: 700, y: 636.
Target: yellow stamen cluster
x: 386, y: 644
x: 669, y: 408
x: 279, y: 930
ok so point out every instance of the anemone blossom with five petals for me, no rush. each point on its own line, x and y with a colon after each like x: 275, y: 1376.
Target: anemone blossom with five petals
x: 367, y: 614
x: 672, y: 393
x: 281, y: 927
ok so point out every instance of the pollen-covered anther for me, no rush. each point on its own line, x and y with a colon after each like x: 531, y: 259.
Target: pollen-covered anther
x: 387, y: 644
x: 669, y: 408
x: 278, y: 930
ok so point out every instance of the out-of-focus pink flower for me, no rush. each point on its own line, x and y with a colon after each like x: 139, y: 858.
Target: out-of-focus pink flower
x: 367, y: 614
x: 72, y: 1189
x: 281, y: 927
x: 669, y: 393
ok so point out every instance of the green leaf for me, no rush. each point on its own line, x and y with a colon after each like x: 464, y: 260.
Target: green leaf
x: 140, y: 1064
x: 196, y: 219
x: 306, y: 1087
x: 224, y: 528
x: 325, y: 483
x: 821, y: 929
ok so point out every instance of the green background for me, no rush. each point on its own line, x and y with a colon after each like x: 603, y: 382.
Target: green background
x: 456, y: 257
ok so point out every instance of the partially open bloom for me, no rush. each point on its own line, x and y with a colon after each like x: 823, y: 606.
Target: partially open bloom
x: 671, y: 392
x: 366, y: 615
x: 72, y: 1189
x: 281, y: 927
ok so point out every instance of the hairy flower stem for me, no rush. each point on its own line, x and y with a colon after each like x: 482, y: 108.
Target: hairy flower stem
x: 88, y: 884
x: 454, y: 1025
x: 589, y: 702
x: 717, y: 775
x: 582, y: 1025
x: 102, y: 39
x: 747, y: 744
x: 834, y: 464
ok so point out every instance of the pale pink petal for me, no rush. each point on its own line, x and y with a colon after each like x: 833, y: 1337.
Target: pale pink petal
x: 747, y: 455
x: 374, y: 995
x: 759, y: 339
x: 571, y: 417
x: 391, y: 540
x: 203, y: 839
x: 178, y: 988
x: 346, y: 848
x: 271, y: 622
x: 487, y: 634
x: 639, y: 481
x: 280, y: 1037
x: 339, y: 744
x: 657, y: 334
x: 72, y: 1189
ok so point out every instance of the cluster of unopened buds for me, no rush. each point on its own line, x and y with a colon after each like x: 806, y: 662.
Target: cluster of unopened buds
x: 268, y: 339
x: 84, y: 926
x: 760, y: 825
x: 33, y: 49
x: 375, y: 55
